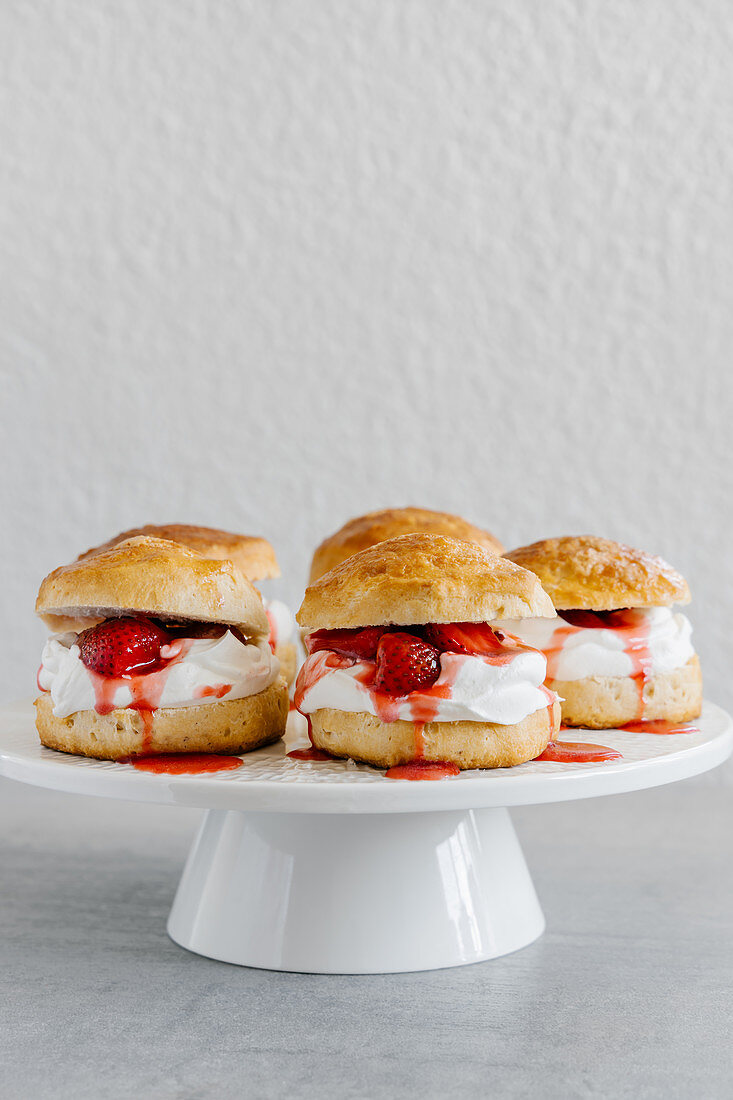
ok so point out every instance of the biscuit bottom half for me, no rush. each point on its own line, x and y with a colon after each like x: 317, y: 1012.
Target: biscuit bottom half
x: 606, y: 702
x: 365, y: 738
x: 230, y: 726
x: 287, y: 655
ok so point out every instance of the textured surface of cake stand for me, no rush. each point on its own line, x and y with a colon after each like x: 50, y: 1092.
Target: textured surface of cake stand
x: 331, y: 868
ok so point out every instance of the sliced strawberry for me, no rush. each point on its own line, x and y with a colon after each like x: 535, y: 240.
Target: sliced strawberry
x: 620, y: 619
x: 360, y: 643
x: 588, y: 620
x: 473, y: 638
x: 194, y: 629
x: 118, y: 647
x: 404, y: 664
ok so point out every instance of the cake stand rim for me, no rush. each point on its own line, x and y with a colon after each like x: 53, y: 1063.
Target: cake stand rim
x: 23, y: 759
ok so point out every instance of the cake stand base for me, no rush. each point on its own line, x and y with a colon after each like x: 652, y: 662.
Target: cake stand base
x: 355, y: 894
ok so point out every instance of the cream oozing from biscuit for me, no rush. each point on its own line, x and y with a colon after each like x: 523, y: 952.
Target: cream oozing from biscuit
x: 469, y: 689
x: 281, y: 620
x: 205, y: 670
x: 660, y: 642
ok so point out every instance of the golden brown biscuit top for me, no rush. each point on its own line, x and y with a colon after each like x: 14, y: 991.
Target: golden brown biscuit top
x: 253, y: 555
x: 582, y: 571
x: 153, y: 577
x: 364, y: 531
x: 422, y: 579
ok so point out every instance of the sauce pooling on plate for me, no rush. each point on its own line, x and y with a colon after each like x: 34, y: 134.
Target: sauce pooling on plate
x: 184, y: 763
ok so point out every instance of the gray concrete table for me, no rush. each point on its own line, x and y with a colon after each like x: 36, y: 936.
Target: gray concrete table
x: 628, y: 994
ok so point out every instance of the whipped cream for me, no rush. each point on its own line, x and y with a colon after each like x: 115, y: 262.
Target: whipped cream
x: 206, y: 670
x: 661, y: 642
x: 469, y: 689
x: 281, y: 620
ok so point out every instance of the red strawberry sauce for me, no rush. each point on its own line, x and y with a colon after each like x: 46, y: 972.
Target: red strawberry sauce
x: 659, y: 726
x: 630, y: 624
x: 312, y: 753
x: 419, y: 768
x: 580, y: 752
x: 423, y: 769
x: 146, y: 689
x: 273, y: 630
x: 191, y: 763
x: 147, y: 685
x: 113, y: 653
x: 577, y: 752
x: 423, y: 704
x: 474, y: 640
x: 212, y: 691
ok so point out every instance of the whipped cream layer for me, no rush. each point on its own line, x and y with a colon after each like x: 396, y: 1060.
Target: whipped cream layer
x: 281, y: 620
x: 469, y: 689
x: 200, y: 670
x: 658, y: 641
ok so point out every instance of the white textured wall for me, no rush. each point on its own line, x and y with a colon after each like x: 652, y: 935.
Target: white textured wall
x: 270, y: 264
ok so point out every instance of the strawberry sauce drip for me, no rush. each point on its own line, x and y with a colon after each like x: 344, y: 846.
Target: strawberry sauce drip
x: 146, y: 691
x: 551, y: 700
x: 386, y: 706
x: 273, y: 630
x: 193, y: 763
x: 628, y: 623
x: 504, y: 651
x: 419, y: 732
x: 312, y: 753
x: 577, y: 752
x: 659, y: 726
x: 214, y: 691
x: 423, y: 704
x: 423, y: 769
x: 553, y: 650
x: 420, y: 768
x: 318, y: 756
x: 316, y: 666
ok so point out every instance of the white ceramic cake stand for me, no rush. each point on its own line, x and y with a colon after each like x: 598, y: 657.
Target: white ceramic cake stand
x: 331, y: 868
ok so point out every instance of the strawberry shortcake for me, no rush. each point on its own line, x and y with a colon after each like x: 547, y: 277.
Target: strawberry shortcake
x: 156, y: 649
x: 404, y: 670
x: 364, y: 531
x: 617, y: 653
x: 253, y: 555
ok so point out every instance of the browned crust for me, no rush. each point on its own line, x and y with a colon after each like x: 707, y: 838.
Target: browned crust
x: 150, y: 576
x: 421, y: 579
x: 606, y: 702
x: 363, y: 737
x: 364, y: 531
x: 254, y: 556
x: 231, y: 726
x: 582, y: 571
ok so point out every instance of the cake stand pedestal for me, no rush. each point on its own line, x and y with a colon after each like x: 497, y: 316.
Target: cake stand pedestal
x: 356, y: 894
x: 331, y: 868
